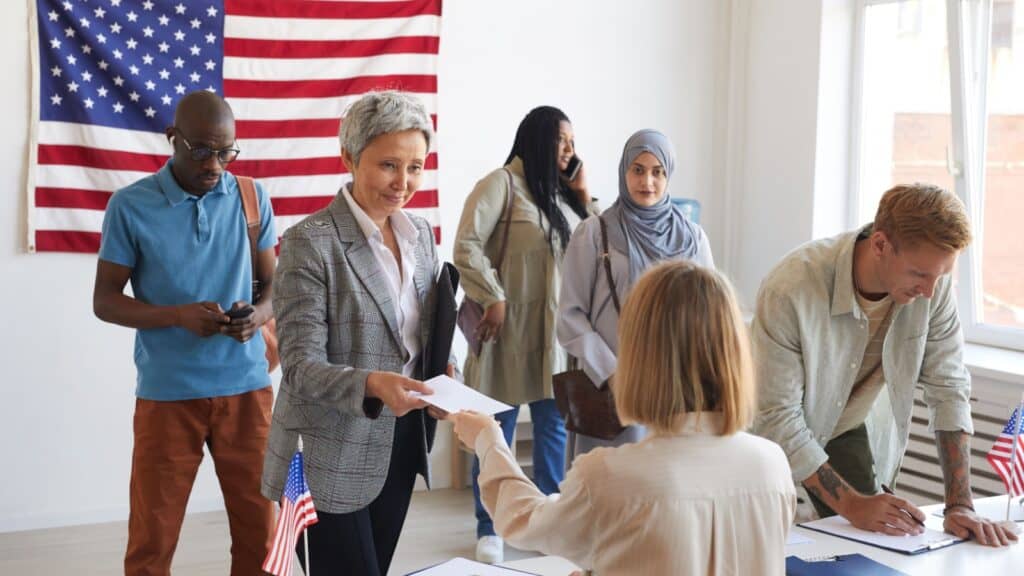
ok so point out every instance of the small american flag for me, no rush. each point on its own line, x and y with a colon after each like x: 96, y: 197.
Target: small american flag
x: 297, y: 513
x: 1009, y: 466
x: 107, y: 75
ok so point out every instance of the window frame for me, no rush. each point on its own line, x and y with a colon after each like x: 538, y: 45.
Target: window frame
x: 968, y: 27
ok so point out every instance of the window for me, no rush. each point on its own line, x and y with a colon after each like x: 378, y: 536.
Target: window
x: 1002, y: 248
x: 942, y: 101
x: 906, y: 126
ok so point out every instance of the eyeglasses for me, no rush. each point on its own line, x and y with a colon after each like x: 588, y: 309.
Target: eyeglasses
x: 203, y: 153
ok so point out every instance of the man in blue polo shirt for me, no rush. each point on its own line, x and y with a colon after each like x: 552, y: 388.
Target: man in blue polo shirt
x: 180, y: 237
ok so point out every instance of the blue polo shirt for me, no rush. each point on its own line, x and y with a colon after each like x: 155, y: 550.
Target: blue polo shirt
x: 183, y: 249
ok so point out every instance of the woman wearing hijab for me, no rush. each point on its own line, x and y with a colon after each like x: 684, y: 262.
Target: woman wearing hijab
x: 643, y: 228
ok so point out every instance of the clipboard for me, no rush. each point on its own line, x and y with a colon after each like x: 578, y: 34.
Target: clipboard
x: 840, y: 527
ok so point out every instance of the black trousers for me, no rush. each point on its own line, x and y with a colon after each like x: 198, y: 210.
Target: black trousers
x: 849, y: 454
x: 362, y: 543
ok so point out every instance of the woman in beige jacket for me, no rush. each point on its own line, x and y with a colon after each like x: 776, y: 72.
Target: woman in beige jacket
x: 698, y: 495
x: 519, y: 289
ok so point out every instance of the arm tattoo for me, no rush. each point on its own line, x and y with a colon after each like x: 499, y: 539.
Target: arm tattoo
x: 831, y: 482
x: 826, y: 482
x: 954, y: 457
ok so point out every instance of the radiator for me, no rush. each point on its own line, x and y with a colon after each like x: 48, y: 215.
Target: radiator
x: 920, y: 475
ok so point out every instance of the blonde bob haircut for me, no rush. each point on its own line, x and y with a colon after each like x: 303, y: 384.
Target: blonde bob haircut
x: 683, y: 347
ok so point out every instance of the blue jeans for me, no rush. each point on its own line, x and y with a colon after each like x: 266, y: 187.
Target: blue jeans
x: 548, y: 454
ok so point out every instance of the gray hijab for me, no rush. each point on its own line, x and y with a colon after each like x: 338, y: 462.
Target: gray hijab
x: 649, y: 234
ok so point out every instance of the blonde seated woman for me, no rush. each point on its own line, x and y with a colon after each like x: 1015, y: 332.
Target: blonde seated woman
x: 698, y: 495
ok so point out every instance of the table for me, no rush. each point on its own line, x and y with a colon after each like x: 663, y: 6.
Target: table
x: 957, y: 560
x: 960, y: 559
x: 544, y: 565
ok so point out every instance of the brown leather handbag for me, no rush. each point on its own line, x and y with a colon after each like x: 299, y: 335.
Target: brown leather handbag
x: 251, y: 208
x: 471, y: 312
x: 587, y: 409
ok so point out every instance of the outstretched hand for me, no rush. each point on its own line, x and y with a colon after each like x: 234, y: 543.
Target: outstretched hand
x: 468, y: 426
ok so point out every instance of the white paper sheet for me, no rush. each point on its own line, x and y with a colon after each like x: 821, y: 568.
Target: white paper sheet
x: 463, y: 567
x: 795, y: 538
x: 928, y: 540
x: 451, y: 396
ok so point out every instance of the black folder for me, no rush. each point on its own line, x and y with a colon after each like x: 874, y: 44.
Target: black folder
x: 438, y: 347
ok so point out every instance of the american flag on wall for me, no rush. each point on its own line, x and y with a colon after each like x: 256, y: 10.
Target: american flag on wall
x: 107, y: 75
x: 1008, y: 465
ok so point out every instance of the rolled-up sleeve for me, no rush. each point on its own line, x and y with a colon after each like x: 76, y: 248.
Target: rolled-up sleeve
x: 944, y: 378
x: 300, y: 306
x: 560, y: 524
x: 780, y: 375
x: 480, y: 217
x: 574, y: 327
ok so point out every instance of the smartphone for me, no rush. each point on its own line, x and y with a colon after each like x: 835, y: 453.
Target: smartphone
x: 236, y: 313
x: 573, y: 169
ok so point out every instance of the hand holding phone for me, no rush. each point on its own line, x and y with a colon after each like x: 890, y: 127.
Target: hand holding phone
x: 575, y: 179
x: 237, y: 313
x: 573, y: 169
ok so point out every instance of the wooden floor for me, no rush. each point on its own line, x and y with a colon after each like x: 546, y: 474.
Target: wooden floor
x: 440, y: 526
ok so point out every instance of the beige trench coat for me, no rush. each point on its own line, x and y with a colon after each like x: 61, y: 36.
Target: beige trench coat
x: 517, y: 368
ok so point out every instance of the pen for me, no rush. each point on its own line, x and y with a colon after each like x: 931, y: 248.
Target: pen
x: 888, y: 490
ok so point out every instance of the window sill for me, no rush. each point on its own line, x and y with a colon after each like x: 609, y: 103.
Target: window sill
x: 993, y: 363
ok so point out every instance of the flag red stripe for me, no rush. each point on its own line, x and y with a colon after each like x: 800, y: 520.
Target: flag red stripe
x: 63, y: 154
x: 330, y: 88
x: 71, y: 198
x: 289, y: 167
x: 301, y: 166
x: 296, y: 205
x: 310, y: 128
x: 258, y: 48
x: 347, y: 10
x: 67, y: 241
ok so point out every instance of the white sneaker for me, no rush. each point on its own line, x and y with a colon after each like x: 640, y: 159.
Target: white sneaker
x: 490, y: 549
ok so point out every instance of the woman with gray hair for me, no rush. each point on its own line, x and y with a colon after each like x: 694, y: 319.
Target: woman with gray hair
x: 641, y: 229
x: 350, y: 301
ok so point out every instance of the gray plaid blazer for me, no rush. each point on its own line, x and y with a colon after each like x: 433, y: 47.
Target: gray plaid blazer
x: 336, y: 323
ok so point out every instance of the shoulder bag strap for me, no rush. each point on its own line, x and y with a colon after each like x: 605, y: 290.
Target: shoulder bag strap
x: 606, y: 257
x: 251, y: 208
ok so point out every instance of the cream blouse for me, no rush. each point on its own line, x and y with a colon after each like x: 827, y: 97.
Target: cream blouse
x: 690, y: 503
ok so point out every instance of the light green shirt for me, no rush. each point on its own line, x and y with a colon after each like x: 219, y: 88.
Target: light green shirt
x: 809, y: 337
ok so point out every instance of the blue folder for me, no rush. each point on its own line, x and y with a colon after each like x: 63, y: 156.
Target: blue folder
x: 845, y: 565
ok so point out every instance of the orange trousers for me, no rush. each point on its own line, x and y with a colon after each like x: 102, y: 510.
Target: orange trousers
x: 169, y: 440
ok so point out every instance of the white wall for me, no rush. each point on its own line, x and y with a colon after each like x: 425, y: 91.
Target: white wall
x: 772, y: 160
x: 614, y: 67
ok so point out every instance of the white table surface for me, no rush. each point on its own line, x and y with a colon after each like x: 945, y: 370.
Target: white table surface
x: 544, y: 565
x: 967, y: 558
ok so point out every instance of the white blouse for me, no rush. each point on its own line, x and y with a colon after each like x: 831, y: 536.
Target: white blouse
x: 400, y: 282
x: 691, y: 503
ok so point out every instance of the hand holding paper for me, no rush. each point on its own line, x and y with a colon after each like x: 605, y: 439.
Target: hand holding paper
x: 468, y: 426
x: 452, y: 396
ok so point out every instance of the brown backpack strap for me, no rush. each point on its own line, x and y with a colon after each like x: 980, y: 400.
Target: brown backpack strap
x: 506, y: 212
x: 606, y: 257
x: 251, y: 208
